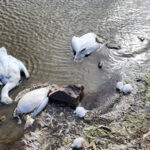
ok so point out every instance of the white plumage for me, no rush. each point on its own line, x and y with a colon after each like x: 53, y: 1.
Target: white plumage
x: 119, y: 86
x: 80, y: 111
x: 33, y: 101
x: 84, y: 45
x: 10, y: 69
x: 78, y: 142
x: 127, y: 89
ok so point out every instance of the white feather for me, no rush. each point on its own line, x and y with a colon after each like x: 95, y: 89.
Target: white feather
x: 80, y: 112
x: 127, y: 89
x: 119, y: 86
x: 78, y: 142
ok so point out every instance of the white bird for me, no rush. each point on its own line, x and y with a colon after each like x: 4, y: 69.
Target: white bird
x: 85, y: 45
x: 80, y: 111
x: 32, y: 101
x: 10, y: 69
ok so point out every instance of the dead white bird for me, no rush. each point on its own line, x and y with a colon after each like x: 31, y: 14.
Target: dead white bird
x: 32, y: 101
x: 80, y: 111
x: 85, y: 45
x: 10, y: 69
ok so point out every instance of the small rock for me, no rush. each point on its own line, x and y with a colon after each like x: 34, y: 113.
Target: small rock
x: 100, y: 65
x: 99, y: 40
x: 119, y: 86
x: 138, y: 80
x: 78, y: 143
x: 104, y: 128
x: 113, y: 45
x: 70, y: 95
x: 127, y: 89
x: 80, y: 112
x: 2, y: 118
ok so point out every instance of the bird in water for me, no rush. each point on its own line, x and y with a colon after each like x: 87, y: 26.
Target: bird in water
x: 10, y: 70
x: 83, y: 46
x: 32, y: 100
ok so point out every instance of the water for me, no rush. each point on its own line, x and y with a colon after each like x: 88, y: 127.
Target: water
x: 39, y: 33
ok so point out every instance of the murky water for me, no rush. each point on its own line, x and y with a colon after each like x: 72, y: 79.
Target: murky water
x: 39, y: 33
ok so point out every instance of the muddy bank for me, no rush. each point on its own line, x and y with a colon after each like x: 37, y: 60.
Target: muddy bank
x: 125, y: 125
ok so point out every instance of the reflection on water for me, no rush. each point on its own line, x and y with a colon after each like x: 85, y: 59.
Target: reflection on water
x: 39, y: 33
x: 10, y: 131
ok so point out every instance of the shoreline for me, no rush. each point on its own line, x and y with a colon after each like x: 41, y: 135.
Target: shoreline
x: 125, y: 126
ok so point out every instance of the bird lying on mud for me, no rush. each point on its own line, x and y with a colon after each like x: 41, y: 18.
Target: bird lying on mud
x: 10, y: 69
x: 85, y: 45
x: 32, y: 100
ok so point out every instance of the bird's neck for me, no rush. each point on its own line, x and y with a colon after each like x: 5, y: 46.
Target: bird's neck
x: 7, y: 88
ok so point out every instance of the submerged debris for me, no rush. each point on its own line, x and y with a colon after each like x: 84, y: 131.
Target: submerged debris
x: 100, y: 64
x: 141, y: 38
x: 113, y: 45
